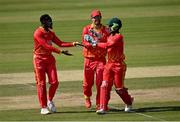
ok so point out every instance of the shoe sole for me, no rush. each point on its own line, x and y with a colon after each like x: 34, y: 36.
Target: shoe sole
x: 45, y: 113
x: 101, y: 113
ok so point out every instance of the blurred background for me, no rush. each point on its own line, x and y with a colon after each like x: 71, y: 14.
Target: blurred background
x: 151, y: 29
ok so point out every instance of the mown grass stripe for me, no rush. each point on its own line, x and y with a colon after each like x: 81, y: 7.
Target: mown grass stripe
x: 76, y: 86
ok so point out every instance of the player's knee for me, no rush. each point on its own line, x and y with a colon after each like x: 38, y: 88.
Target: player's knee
x: 55, y: 84
x: 104, y: 84
x: 41, y: 83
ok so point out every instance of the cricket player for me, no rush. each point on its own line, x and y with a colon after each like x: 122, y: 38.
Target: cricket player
x: 115, y: 68
x: 44, y: 62
x: 94, y: 57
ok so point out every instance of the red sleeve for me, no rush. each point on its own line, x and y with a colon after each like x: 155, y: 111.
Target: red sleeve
x: 102, y: 45
x: 38, y: 37
x: 60, y: 43
x: 84, y: 42
x: 116, y: 40
x: 111, y: 42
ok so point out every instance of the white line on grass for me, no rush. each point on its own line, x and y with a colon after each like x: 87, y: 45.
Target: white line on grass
x: 141, y: 114
x: 149, y: 116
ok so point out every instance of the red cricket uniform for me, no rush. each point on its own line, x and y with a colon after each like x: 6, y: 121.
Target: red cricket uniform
x: 94, y: 61
x: 44, y: 62
x: 114, y: 71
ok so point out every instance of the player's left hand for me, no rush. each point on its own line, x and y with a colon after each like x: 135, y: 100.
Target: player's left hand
x: 90, y: 39
x: 66, y: 52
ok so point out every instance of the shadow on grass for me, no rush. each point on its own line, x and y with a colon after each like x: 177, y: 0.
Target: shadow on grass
x: 113, y: 110
x: 75, y: 111
x: 147, y: 109
x: 117, y: 111
x: 158, y: 109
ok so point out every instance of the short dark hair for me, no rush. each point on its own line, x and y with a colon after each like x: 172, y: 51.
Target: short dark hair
x: 45, y: 17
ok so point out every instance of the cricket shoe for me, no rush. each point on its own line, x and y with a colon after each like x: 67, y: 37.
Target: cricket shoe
x: 105, y: 108
x: 128, y: 108
x: 51, y: 106
x: 45, y: 111
x: 88, y: 103
x: 101, y: 111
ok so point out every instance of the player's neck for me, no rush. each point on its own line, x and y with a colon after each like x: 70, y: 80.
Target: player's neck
x: 46, y: 30
x: 97, y: 27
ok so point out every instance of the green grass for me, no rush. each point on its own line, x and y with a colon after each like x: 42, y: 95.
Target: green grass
x: 151, y: 29
x: 149, y: 111
x: 167, y: 111
x: 76, y: 86
x: 152, y: 83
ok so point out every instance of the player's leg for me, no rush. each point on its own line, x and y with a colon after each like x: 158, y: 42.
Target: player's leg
x: 53, y: 81
x: 99, y: 79
x: 105, y: 89
x: 88, y: 81
x: 52, y: 77
x: 120, y: 70
x: 41, y: 88
x: 39, y: 69
x: 127, y: 99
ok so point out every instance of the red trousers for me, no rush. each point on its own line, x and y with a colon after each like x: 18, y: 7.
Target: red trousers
x: 93, y: 69
x: 45, y: 64
x: 114, y: 73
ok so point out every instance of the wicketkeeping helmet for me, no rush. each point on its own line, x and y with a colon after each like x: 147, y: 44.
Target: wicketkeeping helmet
x: 115, y: 24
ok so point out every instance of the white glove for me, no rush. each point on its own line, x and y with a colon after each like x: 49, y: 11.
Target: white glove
x: 90, y: 39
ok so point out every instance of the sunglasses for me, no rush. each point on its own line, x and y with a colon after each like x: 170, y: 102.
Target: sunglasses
x: 97, y: 17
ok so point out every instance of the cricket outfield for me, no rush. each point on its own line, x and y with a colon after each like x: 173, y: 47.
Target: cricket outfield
x: 73, y: 97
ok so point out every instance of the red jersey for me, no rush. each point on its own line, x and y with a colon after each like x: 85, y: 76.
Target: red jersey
x: 115, y: 48
x: 43, y: 42
x: 100, y: 36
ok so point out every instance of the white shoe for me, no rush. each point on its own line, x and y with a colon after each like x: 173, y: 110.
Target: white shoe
x: 101, y: 111
x: 128, y: 108
x: 51, y: 106
x: 44, y: 111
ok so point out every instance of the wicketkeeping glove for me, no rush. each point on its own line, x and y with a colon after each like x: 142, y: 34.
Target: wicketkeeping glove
x: 90, y: 39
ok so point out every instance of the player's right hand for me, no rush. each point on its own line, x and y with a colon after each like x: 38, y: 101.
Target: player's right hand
x: 76, y: 43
